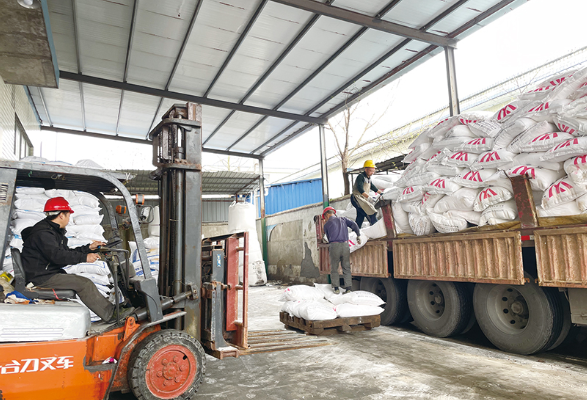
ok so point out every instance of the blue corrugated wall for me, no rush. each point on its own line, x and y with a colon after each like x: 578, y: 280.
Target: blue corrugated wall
x: 286, y: 196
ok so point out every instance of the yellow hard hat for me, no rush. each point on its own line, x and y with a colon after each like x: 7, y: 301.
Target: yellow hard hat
x: 369, y: 164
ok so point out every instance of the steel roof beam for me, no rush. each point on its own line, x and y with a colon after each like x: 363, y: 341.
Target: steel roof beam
x: 340, y: 50
x: 369, y: 22
x: 237, y: 45
x: 45, y: 106
x: 77, y: 44
x: 92, y: 80
x: 177, y: 61
x: 140, y: 141
x: 127, y: 60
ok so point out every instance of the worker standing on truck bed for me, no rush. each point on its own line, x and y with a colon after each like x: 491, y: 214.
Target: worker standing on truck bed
x: 45, y: 253
x: 360, y: 194
x: 336, y: 231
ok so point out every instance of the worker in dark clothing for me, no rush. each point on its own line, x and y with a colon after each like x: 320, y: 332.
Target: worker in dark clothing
x: 45, y: 253
x: 335, y: 229
x: 360, y: 194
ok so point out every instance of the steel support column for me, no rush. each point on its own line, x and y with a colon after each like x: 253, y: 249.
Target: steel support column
x: 451, y: 81
x: 262, y: 215
x: 324, y: 167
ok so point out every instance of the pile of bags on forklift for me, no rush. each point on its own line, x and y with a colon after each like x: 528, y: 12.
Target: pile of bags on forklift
x: 84, y: 228
x: 320, y: 303
x: 459, y: 169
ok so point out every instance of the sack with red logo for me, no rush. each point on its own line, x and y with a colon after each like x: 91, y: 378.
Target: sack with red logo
x: 490, y: 196
x: 538, y: 129
x: 401, y: 219
x: 485, y: 129
x: 463, y: 199
x: 541, y: 178
x: 505, y: 211
x: 393, y: 193
x: 443, y: 127
x: 535, y: 159
x: 477, y: 146
x: 411, y: 193
x: 470, y: 117
x: 563, y: 151
x: 581, y: 202
x: 501, y: 159
x: 422, y: 179
x: 541, y: 142
x: 511, y: 130
x: 576, y: 109
x: 569, y: 208
x: 579, y: 93
x: 474, y: 179
x: 445, y: 170
x: 562, y: 191
x: 421, y: 224
x: 430, y: 200
x: 575, y: 167
x: 510, y: 110
x: 442, y: 185
x: 569, y: 86
x: 473, y: 217
x: 574, y: 126
x: 446, y: 224
x: 460, y: 159
x: 545, y: 111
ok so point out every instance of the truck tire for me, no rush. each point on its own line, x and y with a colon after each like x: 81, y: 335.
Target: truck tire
x: 566, y: 323
x: 519, y: 319
x: 393, y: 292
x: 168, y: 364
x: 439, y: 308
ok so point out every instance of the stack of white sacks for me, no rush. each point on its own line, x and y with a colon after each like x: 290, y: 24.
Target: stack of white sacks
x: 152, y: 247
x: 459, y: 169
x: 319, y: 303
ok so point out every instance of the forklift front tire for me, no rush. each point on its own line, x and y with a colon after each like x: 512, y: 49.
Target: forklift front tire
x: 168, y: 364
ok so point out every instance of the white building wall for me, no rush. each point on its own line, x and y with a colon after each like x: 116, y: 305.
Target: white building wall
x: 13, y: 100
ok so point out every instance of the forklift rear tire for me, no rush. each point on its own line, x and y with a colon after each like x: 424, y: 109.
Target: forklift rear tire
x: 168, y: 364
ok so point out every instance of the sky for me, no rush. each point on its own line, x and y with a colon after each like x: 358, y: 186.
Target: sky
x: 532, y: 34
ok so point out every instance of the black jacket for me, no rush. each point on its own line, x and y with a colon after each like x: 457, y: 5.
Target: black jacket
x: 45, y: 251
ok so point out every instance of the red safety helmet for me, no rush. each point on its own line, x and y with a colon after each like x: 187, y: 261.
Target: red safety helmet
x: 57, y: 204
x: 328, y: 209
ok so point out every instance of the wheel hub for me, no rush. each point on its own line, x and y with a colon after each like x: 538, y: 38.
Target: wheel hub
x: 434, y: 301
x: 170, y: 371
x: 519, y: 308
x: 512, y: 309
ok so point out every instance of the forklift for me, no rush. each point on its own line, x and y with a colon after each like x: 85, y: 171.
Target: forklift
x: 193, y: 307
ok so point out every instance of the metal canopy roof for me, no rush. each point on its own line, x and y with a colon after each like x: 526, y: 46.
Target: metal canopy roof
x: 264, y: 71
x: 226, y: 182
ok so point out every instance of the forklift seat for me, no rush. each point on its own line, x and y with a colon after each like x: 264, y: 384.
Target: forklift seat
x: 20, y: 284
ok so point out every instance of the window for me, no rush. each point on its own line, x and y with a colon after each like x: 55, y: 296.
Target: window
x: 22, y: 144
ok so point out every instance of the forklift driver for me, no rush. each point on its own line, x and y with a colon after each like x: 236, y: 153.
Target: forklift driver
x: 45, y: 253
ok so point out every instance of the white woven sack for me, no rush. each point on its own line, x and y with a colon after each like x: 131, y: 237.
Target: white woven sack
x: 574, y: 126
x: 569, y: 86
x: 447, y: 224
x: 375, y: 231
x: 30, y: 190
x: 450, y: 143
x: 25, y: 214
x: 575, y: 167
x: 477, y: 146
x: 17, y: 225
x: 541, y: 142
x: 363, y: 298
x: 541, y: 178
x: 460, y: 159
x: 443, y: 127
x: 420, y: 224
x: 337, y: 299
x: 315, y: 311
x: 545, y: 111
x: 353, y: 245
x: 29, y: 204
x: 413, y: 206
x: 500, y: 159
x: 474, y: 179
x: 348, y: 310
x: 442, y: 185
x: 473, y: 217
x: 87, y: 219
x: 581, y: 202
x: 414, y: 168
x: 485, y: 129
x: 507, y: 112
x: 416, y: 152
x: 393, y: 193
x: 562, y: 191
x: 460, y: 131
x: 535, y: 159
x: 576, y: 109
x: 506, y: 211
x: 382, y: 183
x: 511, y: 130
x: 500, y: 179
x: 85, y: 230
x: 568, y: 149
x: 326, y: 289
x: 289, y: 306
x: 569, y: 208
x: 401, y: 219
x: 411, y: 193
x: 469, y: 117
x: 84, y: 199
x: 52, y: 193
x: 301, y: 292
x: 422, y: 179
x: 430, y: 200
x: 462, y: 199
x: 445, y: 170
x: 536, y: 130
x: 97, y: 268
x: 420, y: 139
x: 490, y: 196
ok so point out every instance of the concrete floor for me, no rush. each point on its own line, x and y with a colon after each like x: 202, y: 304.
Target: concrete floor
x: 387, y: 363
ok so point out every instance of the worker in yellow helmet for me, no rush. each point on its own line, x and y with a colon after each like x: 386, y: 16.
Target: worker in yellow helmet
x: 360, y: 194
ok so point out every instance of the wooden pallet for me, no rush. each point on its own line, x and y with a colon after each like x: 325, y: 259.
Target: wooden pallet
x: 332, y: 326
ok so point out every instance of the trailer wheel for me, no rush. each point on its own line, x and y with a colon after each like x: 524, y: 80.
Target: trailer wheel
x: 566, y: 323
x: 518, y: 319
x: 168, y: 364
x: 438, y: 308
x: 393, y: 292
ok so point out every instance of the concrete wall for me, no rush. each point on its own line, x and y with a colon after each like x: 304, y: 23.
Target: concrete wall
x: 13, y: 100
x: 211, y: 229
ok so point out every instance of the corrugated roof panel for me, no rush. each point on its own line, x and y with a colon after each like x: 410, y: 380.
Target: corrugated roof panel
x: 417, y: 14
x: 101, y: 106
x: 61, y: 18
x: 103, y: 36
x: 264, y: 132
x: 38, y: 104
x: 232, y: 130
x: 371, y: 7
x: 137, y: 113
x: 63, y: 104
x: 284, y: 135
x: 465, y: 13
x: 211, y: 117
